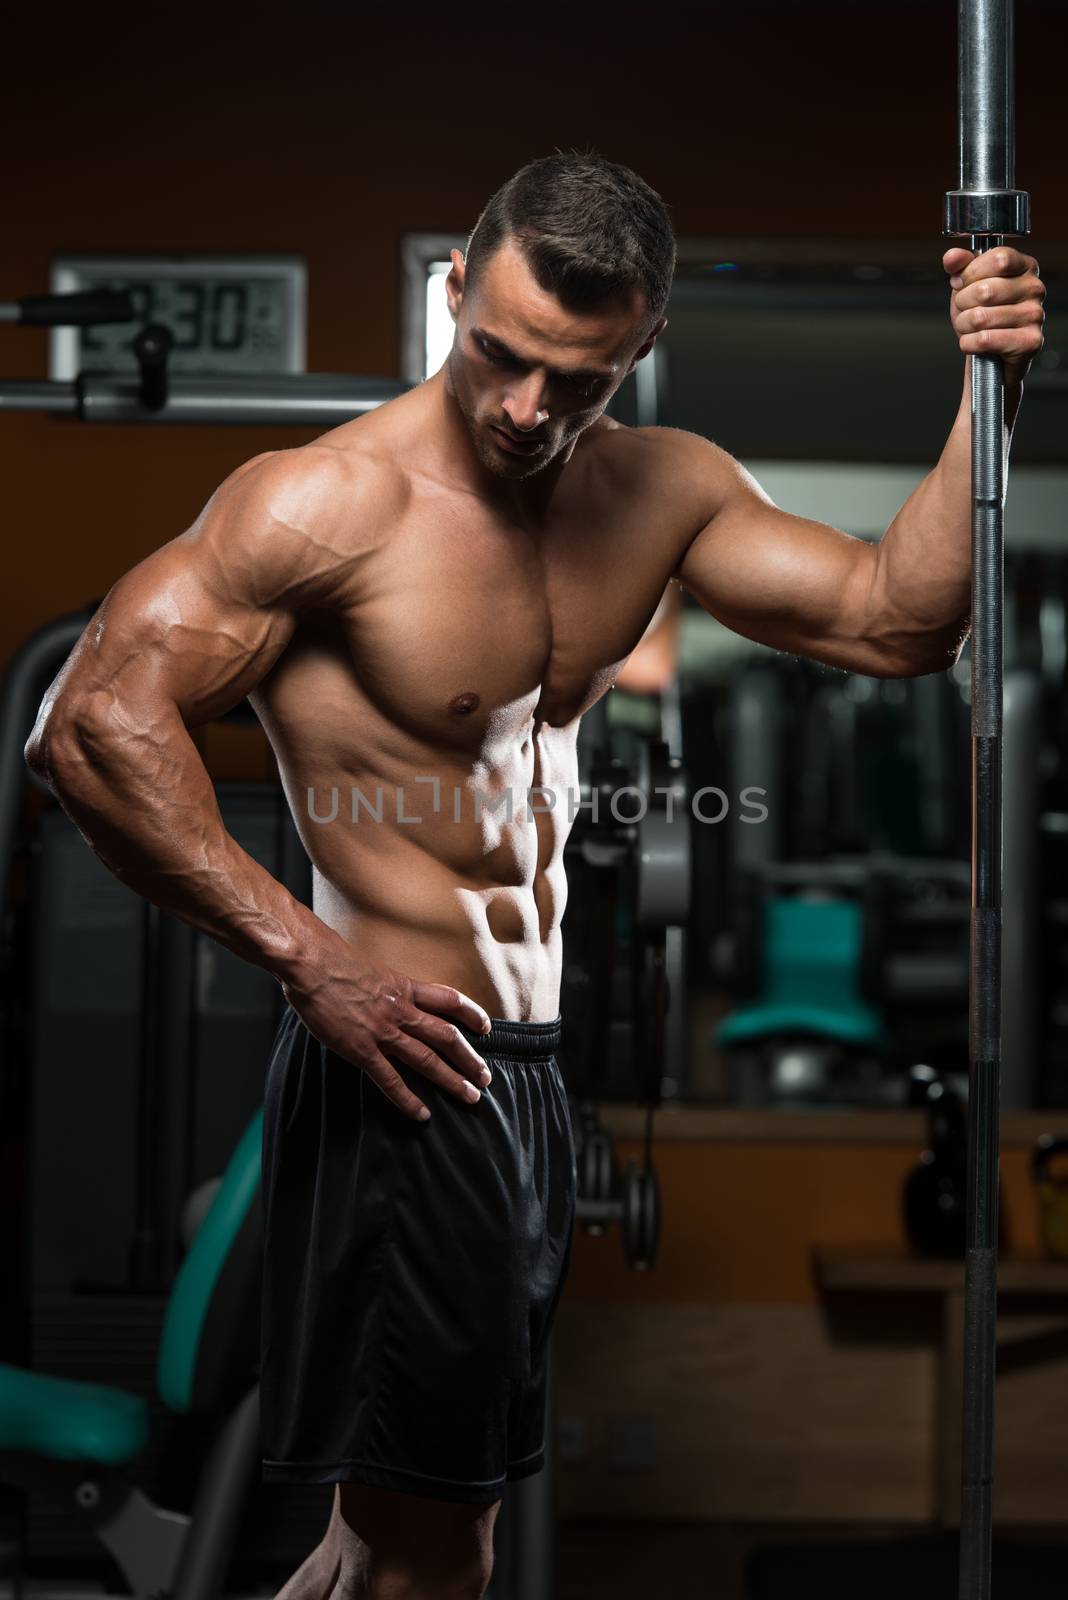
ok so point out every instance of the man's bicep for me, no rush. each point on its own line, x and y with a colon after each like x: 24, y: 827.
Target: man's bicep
x: 166, y: 633
x: 200, y: 622
x: 783, y: 580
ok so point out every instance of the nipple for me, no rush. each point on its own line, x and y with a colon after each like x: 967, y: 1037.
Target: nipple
x: 464, y: 703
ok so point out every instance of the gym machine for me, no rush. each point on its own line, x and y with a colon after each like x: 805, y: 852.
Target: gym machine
x: 629, y: 872
x: 877, y: 773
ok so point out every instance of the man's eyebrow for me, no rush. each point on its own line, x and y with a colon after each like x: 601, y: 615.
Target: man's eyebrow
x: 583, y: 375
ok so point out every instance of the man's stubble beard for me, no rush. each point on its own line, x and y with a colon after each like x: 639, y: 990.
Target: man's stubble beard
x: 514, y: 468
x: 495, y: 459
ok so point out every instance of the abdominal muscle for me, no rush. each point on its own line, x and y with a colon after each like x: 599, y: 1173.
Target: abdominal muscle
x: 452, y: 896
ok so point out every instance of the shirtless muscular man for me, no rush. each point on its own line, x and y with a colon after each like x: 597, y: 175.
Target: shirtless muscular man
x: 421, y: 605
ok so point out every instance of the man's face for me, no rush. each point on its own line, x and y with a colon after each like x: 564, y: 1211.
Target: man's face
x: 527, y: 374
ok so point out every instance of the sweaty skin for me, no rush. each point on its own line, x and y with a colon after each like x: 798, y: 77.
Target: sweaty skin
x: 418, y: 612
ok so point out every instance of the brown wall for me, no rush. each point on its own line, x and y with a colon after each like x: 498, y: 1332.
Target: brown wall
x: 331, y: 130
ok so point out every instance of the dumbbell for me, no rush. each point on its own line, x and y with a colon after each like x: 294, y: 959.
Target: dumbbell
x: 636, y: 1207
x: 595, y: 1159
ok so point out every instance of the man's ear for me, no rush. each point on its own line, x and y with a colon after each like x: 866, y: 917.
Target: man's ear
x: 647, y: 344
x: 454, y: 283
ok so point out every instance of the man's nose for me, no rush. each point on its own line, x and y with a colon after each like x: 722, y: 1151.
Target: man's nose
x: 525, y: 403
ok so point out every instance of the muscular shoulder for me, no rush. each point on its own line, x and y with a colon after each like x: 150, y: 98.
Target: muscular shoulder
x: 292, y: 527
x: 686, y: 476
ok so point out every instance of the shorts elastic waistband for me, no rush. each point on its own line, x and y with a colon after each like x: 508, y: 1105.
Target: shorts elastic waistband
x: 521, y: 1040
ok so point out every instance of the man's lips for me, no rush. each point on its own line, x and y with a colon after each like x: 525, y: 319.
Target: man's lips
x: 519, y: 447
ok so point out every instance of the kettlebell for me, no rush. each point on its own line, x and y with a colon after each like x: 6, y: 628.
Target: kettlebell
x: 935, y: 1195
x: 1052, y: 1195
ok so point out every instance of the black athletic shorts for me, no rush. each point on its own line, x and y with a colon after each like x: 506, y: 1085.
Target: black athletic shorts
x: 412, y: 1270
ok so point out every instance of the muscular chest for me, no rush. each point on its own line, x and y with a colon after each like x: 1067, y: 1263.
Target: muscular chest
x: 465, y: 625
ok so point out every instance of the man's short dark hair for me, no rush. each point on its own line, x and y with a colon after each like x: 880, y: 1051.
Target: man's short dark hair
x: 591, y: 231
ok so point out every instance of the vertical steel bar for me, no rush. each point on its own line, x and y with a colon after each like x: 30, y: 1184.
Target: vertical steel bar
x: 986, y: 208
x: 980, y: 1277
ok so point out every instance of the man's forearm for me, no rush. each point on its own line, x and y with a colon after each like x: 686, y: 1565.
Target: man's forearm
x: 924, y: 559
x: 143, y: 800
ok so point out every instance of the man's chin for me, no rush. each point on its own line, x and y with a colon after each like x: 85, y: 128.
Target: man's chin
x: 503, y: 464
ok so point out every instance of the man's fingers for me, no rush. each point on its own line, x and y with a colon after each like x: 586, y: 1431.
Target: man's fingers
x: 423, y: 1058
x: 1004, y: 262
x: 442, y: 997
x: 996, y: 308
x: 1000, y: 291
x: 1001, y: 316
x: 403, y: 1027
x: 448, y: 1041
x: 393, y: 1086
x: 962, y: 258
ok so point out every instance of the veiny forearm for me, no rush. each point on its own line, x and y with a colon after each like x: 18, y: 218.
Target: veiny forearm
x: 922, y: 580
x: 135, y: 786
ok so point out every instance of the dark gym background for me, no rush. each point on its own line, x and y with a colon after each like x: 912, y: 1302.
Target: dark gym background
x: 331, y: 131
